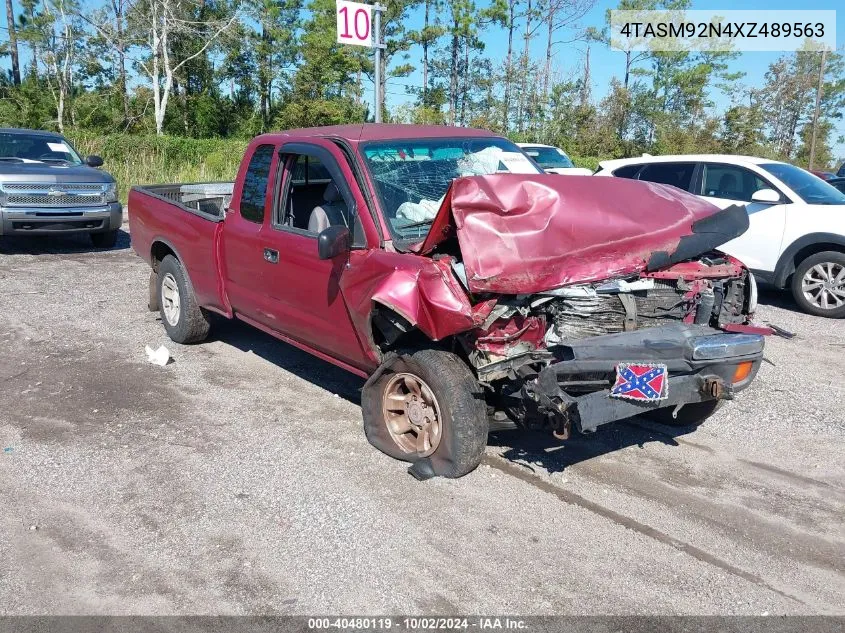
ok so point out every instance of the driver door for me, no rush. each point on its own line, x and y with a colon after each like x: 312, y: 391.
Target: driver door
x: 305, y: 291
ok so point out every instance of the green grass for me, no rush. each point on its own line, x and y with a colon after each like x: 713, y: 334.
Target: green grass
x: 140, y: 160
x: 590, y: 162
x: 148, y: 159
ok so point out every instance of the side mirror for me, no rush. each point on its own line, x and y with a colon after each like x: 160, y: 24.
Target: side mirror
x: 333, y: 241
x: 769, y: 196
x: 94, y: 161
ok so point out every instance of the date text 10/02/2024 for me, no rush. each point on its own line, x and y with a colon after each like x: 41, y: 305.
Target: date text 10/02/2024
x: 418, y: 623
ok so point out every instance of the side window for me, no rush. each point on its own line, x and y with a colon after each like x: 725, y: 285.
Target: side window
x: 309, y: 170
x: 628, y: 171
x: 313, y: 200
x: 255, y: 184
x: 730, y: 182
x: 676, y: 174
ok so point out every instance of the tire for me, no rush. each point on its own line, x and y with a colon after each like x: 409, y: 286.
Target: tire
x: 458, y: 407
x: 692, y: 414
x: 183, y: 319
x: 104, y: 240
x: 813, y: 273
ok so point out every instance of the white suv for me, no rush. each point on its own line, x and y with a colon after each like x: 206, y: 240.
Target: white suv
x: 796, y: 236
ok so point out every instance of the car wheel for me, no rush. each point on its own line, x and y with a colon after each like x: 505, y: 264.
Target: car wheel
x: 691, y: 414
x: 818, y: 284
x: 104, y: 240
x: 428, y: 408
x: 183, y: 319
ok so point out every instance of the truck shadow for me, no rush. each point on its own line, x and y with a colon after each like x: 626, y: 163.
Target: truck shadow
x: 770, y: 296
x: 527, y: 448
x: 318, y: 372
x: 536, y: 450
x: 57, y: 244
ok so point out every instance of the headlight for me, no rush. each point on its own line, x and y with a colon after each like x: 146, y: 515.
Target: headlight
x: 718, y: 346
x: 111, y: 192
x: 752, y: 293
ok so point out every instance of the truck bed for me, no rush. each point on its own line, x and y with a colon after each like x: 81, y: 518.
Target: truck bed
x: 185, y: 218
x: 206, y: 198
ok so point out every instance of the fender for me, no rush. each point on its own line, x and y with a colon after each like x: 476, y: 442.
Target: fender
x: 167, y: 243
x: 422, y: 291
x: 226, y: 308
x: 786, y: 263
x: 152, y: 302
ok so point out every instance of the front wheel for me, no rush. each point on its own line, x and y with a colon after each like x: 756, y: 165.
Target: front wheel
x: 818, y: 284
x: 691, y: 414
x: 427, y: 407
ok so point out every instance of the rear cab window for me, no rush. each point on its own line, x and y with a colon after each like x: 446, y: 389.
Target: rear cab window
x: 254, y: 193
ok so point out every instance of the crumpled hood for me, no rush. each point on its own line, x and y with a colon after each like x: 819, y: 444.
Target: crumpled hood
x: 521, y: 234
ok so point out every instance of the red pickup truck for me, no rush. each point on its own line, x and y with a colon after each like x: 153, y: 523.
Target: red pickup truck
x: 445, y: 267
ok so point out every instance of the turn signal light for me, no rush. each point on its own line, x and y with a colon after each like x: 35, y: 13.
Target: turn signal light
x: 742, y: 371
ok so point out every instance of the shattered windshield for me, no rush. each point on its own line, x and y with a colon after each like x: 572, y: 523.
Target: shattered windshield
x: 411, y: 176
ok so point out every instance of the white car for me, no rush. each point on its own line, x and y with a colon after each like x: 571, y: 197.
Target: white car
x: 553, y: 160
x: 796, y: 237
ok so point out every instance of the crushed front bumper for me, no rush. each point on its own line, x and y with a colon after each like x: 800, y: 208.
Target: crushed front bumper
x: 50, y: 221
x: 701, y: 361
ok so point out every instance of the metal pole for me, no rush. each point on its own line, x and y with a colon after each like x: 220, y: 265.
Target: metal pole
x: 816, y: 112
x: 378, y: 44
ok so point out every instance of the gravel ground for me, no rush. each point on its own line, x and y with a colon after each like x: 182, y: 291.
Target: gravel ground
x: 237, y: 479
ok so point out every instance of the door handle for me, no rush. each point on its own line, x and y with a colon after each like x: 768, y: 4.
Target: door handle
x: 271, y: 255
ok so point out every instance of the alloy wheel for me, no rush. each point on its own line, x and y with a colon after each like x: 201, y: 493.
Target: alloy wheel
x: 412, y: 414
x: 823, y: 285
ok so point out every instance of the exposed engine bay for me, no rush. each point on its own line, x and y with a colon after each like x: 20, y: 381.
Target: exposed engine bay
x: 522, y: 335
x: 525, y: 332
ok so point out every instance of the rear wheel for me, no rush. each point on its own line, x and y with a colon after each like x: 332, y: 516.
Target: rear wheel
x: 818, y: 284
x: 104, y: 240
x: 428, y: 406
x: 183, y: 319
x: 691, y: 414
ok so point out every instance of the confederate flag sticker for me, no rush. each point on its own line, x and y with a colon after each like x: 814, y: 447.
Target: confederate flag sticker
x: 644, y: 382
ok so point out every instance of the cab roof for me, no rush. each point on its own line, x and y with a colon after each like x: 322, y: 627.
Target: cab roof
x: 363, y: 132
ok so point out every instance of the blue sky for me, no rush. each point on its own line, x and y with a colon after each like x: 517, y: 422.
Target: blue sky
x: 606, y: 63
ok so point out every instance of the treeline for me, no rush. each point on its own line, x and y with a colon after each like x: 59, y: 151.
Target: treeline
x: 235, y: 68
x: 135, y: 159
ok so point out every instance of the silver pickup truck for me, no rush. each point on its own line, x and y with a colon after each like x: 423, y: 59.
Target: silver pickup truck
x: 46, y: 188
